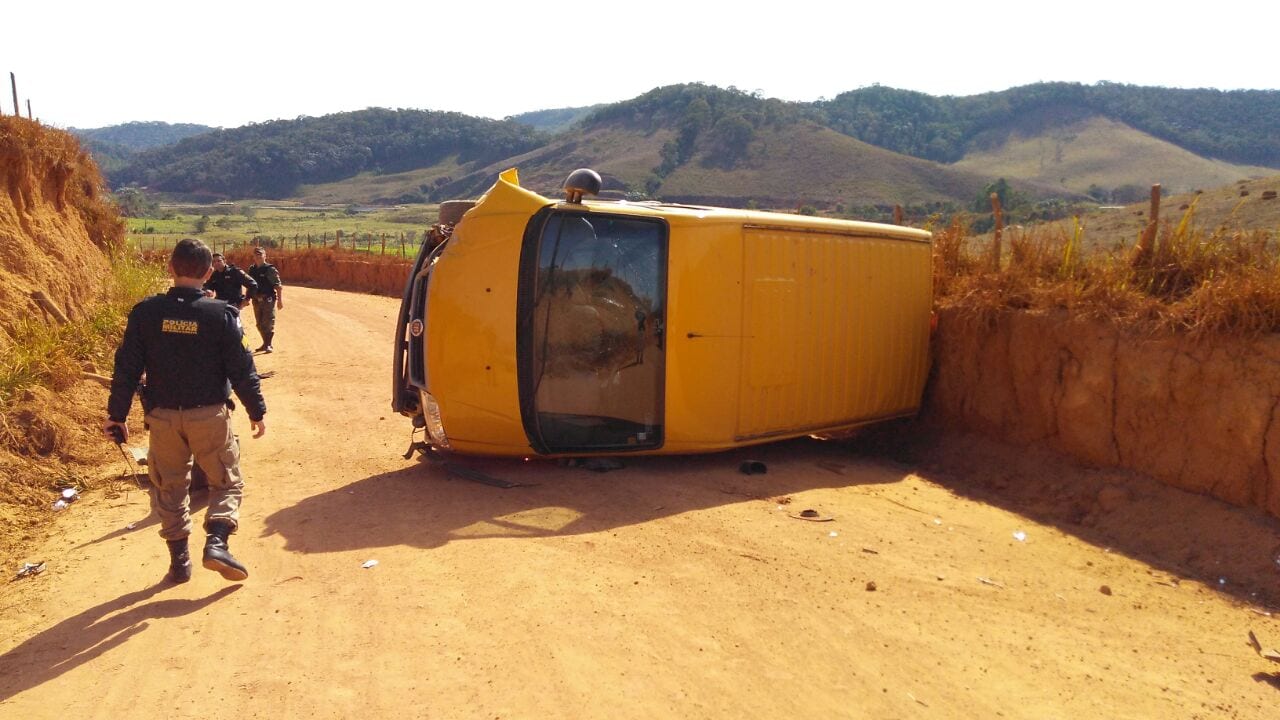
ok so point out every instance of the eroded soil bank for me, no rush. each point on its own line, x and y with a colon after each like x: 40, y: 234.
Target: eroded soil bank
x: 1199, y: 415
x: 336, y: 269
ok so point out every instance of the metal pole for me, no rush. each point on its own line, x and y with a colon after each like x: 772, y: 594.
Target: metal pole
x: 13, y: 80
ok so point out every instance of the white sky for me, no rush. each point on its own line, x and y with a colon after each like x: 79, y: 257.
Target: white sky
x: 231, y: 62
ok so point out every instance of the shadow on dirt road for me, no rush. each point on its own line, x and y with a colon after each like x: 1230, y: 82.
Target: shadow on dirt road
x: 425, y: 506
x: 84, y: 637
x: 1187, y: 536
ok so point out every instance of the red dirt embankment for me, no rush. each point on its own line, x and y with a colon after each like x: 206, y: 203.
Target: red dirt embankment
x: 57, y: 229
x: 56, y: 224
x: 1200, y: 415
x: 335, y: 269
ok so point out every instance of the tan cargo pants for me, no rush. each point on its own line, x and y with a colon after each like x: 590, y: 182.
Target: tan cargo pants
x: 177, y: 436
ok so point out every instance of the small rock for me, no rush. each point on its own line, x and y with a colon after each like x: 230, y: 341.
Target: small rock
x: 1112, y: 497
x: 1105, y: 589
x: 871, y: 586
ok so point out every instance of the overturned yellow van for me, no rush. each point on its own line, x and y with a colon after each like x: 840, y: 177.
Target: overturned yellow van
x: 579, y: 327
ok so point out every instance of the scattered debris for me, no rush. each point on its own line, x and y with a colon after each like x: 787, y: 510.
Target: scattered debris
x: 131, y: 526
x: 139, y: 455
x: 871, y: 586
x: 474, y: 475
x: 752, y: 467
x: 811, y: 515
x: 989, y: 581
x: 594, y: 464
x: 59, y: 505
x: 35, y: 568
x: 1020, y: 536
x: 1271, y: 655
x: 870, y: 551
x: 937, y: 521
x: 781, y: 500
x: 369, y: 563
x: 918, y: 700
x: 1105, y: 590
x: 833, y: 533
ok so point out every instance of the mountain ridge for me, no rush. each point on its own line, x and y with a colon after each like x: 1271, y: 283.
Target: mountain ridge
x: 657, y: 144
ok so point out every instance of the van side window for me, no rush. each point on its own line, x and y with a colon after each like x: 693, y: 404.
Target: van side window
x: 597, y: 351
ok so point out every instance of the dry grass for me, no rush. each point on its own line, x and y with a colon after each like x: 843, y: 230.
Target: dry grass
x: 1199, y: 281
x: 53, y: 356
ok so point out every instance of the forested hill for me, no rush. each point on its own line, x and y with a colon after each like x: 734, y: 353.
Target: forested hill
x: 555, y: 120
x: 141, y: 135
x: 1240, y: 126
x: 649, y: 143
x: 114, y: 146
x: 271, y: 159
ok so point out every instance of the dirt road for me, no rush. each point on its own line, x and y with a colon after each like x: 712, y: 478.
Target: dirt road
x: 968, y: 586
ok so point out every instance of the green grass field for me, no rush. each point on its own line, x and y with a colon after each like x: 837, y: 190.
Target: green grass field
x: 399, y: 229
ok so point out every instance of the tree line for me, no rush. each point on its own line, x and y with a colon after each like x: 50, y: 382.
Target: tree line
x: 1240, y: 126
x: 270, y: 160
x: 714, y: 125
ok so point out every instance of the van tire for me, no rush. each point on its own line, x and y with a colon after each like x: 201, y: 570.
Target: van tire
x: 451, y: 211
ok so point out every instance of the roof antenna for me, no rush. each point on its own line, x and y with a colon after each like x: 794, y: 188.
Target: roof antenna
x: 581, y: 181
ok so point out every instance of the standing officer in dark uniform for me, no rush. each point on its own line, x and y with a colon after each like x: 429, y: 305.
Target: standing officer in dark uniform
x: 268, y: 298
x: 192, y: 350
x: 228, y: 282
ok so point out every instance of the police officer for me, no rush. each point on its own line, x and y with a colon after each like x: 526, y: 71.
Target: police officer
x: 192, y: 350
x: 268, y: 298
x: 228, y: 282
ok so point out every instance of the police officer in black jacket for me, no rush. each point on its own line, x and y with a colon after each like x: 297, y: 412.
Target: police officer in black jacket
x: 229, y: 282
x: 192, y: 350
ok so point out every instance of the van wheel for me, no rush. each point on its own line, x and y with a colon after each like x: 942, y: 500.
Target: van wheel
x: 451, y: 211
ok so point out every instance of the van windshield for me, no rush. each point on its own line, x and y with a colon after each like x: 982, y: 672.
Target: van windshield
x: 595, y: 349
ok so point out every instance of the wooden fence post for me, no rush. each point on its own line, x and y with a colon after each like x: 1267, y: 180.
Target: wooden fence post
x: 13, y: 80
x: 999, y: 231
x: 1144, y: 251
x: 897, y: 214
x: 29, y: 108
x: 384, y: 243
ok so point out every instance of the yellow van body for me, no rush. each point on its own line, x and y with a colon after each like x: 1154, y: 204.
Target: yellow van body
x: 607, y: 327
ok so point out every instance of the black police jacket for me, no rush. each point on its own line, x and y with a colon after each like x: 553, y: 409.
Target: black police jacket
x: 193, y: 352
x: 228, y: 282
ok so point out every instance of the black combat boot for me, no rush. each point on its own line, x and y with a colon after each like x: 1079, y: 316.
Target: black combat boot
x: 217, y: 556
x: 179, y: 561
